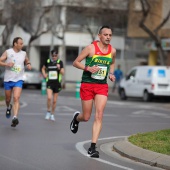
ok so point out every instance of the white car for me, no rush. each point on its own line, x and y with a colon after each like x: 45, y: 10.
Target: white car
x: 32, y: 77
x: 146, y: 82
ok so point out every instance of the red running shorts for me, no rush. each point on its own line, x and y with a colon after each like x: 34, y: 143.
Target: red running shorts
x: 89, y: 90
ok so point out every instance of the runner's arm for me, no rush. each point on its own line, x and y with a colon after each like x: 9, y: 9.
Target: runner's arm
x: 77, y: 62
x: 27, y: 63
x: 2, y: 61
x: 112, y: 66
x: 86, y: 52
x: 43, y: 70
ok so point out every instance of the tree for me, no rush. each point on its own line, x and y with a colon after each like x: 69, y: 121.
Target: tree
x: 5, y: 19
x: 154, y: 34
x: 111, y: 12
x: 30, y: 16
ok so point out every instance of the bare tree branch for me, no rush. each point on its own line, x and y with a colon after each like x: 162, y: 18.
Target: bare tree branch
x: 162, y: 23
x: 146, y: 10
x: 40, y: 22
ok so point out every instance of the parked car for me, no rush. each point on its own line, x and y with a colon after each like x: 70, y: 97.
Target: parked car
x: 146, y: 82
x: 32, y: 77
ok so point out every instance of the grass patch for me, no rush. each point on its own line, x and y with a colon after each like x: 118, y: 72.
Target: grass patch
x: 2, y: 98
x: 157, y: 141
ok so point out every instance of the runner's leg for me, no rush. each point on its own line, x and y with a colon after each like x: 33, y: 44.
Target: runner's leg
x: 86, y: 111
x: 100, y: 103
x: 16, y: 98
x: 55, y: 97
x: 8, y: 94
x: 49, y: 99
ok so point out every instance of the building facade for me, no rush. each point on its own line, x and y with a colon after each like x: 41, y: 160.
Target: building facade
x: 77, y: 22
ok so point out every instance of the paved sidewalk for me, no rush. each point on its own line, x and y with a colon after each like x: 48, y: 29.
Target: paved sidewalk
x: 127, y: 149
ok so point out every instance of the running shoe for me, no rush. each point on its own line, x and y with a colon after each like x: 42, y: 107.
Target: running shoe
x: 48, y: 115
x: 52, y: 118
x: 8, y: 111
x: 74, y: 123
x: 93, y: 153
x: 15, y: 122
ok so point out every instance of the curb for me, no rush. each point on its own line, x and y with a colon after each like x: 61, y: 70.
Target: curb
x: 127, y: 149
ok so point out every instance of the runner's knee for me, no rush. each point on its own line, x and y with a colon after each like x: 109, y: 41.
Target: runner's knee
x: 86, y: 118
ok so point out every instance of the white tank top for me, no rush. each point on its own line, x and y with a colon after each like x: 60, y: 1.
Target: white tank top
x: 16, y: 72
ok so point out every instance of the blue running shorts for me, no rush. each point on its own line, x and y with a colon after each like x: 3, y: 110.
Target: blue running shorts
x: 9, y: 85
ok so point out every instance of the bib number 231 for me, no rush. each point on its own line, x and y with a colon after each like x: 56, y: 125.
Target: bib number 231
x: 101, y: 74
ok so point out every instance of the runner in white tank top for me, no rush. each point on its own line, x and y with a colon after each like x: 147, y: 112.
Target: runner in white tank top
x: 14, y: 60
x: 16, y: 72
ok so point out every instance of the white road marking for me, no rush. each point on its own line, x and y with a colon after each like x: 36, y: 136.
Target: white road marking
x: 150, y: 113
x: 62, y: 108
x: 24, y: 104
x: 139, y: 112
x: 81, y: 149
x: 18, y: 162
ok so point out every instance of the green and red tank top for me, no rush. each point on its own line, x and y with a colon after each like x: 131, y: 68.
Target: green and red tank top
x: 103, y: 60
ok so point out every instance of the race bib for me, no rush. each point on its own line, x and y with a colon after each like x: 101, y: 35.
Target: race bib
x: 16, y: 68
x: 53, y: 75
x: 101, y: 74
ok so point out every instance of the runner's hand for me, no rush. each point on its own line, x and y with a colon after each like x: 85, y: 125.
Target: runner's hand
x: 10, y: 64
x: 93, y: 69
x: 58, y: 66
x: 112, y: 77
x: 29, y: 66
x: 46, y: 75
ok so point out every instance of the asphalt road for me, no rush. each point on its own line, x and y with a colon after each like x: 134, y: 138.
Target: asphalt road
x: 38, y: 144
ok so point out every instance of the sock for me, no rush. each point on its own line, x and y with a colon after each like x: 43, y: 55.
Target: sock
x: 93, y: 145
x: 14, y: 117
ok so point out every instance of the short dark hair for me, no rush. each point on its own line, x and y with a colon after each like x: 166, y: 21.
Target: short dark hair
x: 104, y: 26
x: 15, y: 40
x: 54, y: 51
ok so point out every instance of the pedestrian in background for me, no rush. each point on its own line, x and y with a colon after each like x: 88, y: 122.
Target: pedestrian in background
x: 118, y: 75
x: 52, y: 70
x: 99, y: 64
x: 14, y: 61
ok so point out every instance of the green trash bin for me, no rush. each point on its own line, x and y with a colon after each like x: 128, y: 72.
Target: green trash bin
x: 43, y: 87
x: 77, y: 90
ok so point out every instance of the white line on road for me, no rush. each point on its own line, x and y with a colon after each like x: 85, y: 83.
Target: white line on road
x: 81, y: 149
x: 150, y: 113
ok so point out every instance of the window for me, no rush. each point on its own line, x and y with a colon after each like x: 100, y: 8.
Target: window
x: 44, y: 55
x: 71, y: 54
x: 131, y: 75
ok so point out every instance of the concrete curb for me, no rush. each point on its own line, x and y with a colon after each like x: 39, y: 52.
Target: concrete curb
x: 127, y: 149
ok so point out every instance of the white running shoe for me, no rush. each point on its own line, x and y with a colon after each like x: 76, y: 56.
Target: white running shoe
x: 48, y: 115
x: 52, y: 118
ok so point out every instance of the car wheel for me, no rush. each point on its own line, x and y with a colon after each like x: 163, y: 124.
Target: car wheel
x: 146, y: 96
x: 1, y: 84
x: 122, y: 94
x: 24, y: 86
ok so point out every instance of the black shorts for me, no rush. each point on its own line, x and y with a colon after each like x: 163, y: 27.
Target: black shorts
x: 56, y: 88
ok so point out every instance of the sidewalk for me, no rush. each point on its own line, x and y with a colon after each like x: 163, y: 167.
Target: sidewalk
x: 127, y: 149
